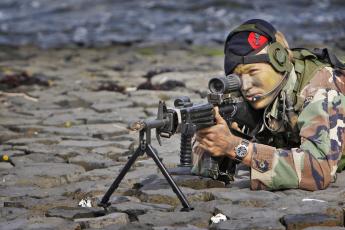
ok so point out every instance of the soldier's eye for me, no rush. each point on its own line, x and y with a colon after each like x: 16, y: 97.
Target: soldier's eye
x: 253, y: 71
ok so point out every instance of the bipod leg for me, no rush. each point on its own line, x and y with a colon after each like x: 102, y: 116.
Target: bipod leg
x: 151, y: 152
x: 104, y: 202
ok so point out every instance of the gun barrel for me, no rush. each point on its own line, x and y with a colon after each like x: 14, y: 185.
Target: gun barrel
x: 147, y: 124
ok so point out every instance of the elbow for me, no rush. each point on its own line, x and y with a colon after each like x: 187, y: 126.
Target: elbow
x: 315, y: 178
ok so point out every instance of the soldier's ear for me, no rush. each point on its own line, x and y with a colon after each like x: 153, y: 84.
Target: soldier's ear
x: 282, y: 40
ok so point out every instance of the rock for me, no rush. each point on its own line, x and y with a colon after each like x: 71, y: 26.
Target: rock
x: 129, y: 226
x: 295, y: 205
x: 300, y: 221
x: 167, y: 196
x: 14, y: 121
x: 36, y: 158
x: 187, y: 227
x: 150, y: 98
x: 40, y: 223
x: 92, y: 130
x: 246, y: 197
x: 106, y: 107
x: 5, y: 166
x: 74, y: 212
x: 6, y: 134
x: 103, y: 221
x: 134, y: 209
x: 235, y: 212
x: 10, y: 213
x: 41, y: 205
x: 85, y: 144
x: 189, y: 181
x: 122, y: 114
x: 87, y: 190
x: 101, y: 174
x: 324, y: 228
x: 98, y: 97
x: 91, y: 161
x: 243, y: 224
x: 28, y: 191
x: 188, y: 78
x: 197, y: 218
x: 112, y: 152
x: 38, y: 148
x: 36, y: 140
x: 45, y: 175
x: 208, y: 206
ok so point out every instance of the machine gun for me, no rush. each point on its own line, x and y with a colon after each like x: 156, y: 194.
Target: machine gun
x: 186, y: 118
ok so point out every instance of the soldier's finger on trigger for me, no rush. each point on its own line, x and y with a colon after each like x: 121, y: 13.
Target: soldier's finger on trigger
x: 234, y: 125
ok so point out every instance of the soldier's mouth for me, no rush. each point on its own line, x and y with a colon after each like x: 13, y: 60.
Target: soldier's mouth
x: 252, y: 96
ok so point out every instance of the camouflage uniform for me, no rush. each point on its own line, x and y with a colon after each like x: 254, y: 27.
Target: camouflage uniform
x: 309, y: 163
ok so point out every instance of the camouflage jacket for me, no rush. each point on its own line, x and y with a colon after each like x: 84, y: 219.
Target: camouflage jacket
x: 312, y: 164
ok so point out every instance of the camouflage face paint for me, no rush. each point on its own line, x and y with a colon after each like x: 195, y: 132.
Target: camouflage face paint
x: 258, y: 79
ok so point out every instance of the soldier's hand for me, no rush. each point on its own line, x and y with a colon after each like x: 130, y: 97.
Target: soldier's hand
x: 217, y: 139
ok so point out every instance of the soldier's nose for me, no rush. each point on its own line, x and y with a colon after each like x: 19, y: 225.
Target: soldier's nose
x: 246, y: 82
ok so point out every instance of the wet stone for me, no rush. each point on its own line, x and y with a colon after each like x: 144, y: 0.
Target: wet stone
x: 101, y: 173
x: 186, y: 227
x: 92, y: 130
x: 197, y: 218
x: 28, y: 141
x: 296, y: 205
x: 324, y: 228
x: 114, y: 200
x: 74, y: 212
x: 244, y: 224
x: 45, y: 175
x: 235, y: 212
x: 300, y: 221
x: 111, y: 106
x: 91, y: 161
x: 129, y: 226
x: 5, y: 166
x: 111, y: 152
x: 6, y: 134
x: 50, y: 223
x: 149, y: 98
x: 189, y: 181
x: 185, y: 77
x: 99, y: 97
x: 11, y: 213
x: 41, y: 205
x: 37, y: 148
x: 103, y: 221
x: 28, y: 191
x: 85, y: 143
x: 37, y: 157
x: 246, y: 197
x: 167, y: 196
x: 134, y: 209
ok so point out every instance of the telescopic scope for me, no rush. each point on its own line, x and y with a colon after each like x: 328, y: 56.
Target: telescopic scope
x: 224, y: 85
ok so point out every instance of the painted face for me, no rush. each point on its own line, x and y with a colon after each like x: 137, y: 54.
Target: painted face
x: 258, y: 79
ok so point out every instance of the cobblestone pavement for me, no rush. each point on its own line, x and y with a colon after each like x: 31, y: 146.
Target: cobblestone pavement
x: 63, y: 118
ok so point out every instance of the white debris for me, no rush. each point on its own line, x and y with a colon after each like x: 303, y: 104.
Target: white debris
x: 85, y: 203
x: 308, y: 199
x: 218, y: 218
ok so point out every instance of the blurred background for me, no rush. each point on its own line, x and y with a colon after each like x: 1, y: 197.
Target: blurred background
x: 62, y: 23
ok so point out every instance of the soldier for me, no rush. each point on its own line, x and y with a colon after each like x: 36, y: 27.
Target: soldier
x: 301, y: 96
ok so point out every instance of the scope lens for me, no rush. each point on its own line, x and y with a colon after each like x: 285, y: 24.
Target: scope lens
x: 216, y: 85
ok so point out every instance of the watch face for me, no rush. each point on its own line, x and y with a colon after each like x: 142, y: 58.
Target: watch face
x: 241, y: 151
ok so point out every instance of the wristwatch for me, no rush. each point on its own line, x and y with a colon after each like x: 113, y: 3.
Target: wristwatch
x: 241, y: 150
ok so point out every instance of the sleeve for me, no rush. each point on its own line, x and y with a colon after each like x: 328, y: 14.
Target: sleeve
x: 313, y: 165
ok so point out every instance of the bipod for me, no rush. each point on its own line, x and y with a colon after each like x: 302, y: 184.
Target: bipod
x: 145, y: 147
